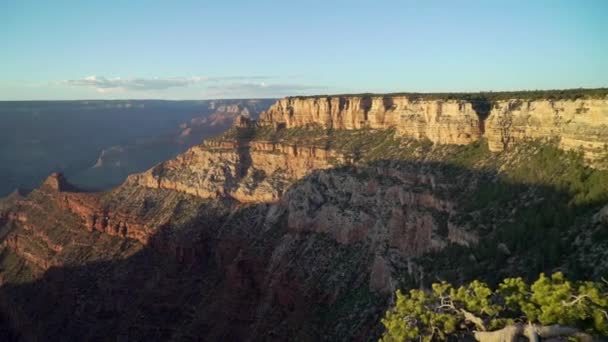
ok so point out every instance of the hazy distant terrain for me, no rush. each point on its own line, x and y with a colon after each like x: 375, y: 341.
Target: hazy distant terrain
x: 97, y: 143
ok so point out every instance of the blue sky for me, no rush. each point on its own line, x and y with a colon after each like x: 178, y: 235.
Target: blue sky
x: 217, y: 49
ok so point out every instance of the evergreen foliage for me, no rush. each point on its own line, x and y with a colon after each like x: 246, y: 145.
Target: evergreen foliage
x: 490, y: 96
x: 455, y: 312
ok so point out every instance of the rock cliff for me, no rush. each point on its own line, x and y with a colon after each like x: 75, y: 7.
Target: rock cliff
x: 446, y: 122
x: 577, y: 124
x: 247, y: 171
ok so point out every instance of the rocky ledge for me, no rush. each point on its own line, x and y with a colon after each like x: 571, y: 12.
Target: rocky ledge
x: 579, y: 123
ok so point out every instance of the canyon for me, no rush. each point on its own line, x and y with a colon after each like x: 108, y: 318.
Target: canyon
x: 98, y: 143
x: 302, y: 224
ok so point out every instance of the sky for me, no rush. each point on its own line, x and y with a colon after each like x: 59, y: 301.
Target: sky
x: 140, y: 49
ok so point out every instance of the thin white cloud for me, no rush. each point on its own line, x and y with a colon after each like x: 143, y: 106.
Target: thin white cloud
x: 103, y: 84
x: 206, y: 87
x: 261, y: 89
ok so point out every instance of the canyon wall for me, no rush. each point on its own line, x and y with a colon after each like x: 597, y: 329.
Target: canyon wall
x: 575, y: 124
x: 447, y: 122
x: 256, y: 171
x: 579, y: 124
x: 253, y: 171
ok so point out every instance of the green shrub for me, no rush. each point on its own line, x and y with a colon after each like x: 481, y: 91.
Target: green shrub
x: 475, y: 309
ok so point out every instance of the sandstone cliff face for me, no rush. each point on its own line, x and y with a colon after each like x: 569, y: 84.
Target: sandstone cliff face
x: 444, y: 122
x: 246, y: 171
x: 576, y: 124
x: 580, y: 124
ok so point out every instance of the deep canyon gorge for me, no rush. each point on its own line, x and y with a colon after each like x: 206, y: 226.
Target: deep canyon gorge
x: 301, y: 224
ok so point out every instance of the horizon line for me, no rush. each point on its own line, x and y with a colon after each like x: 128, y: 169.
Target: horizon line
x: 392, y: 93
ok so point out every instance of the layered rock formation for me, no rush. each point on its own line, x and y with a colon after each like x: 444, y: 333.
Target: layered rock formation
x: 247, y: 171
x: 446, y: 122
x: 579, y: 124
x: 575, y: 124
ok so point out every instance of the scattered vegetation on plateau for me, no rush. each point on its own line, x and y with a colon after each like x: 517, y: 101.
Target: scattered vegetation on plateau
x: 530, y: 163
x: 490, y: 96
x: 535, y: 202
x: 551, y: 307
x: 358, y: 145
x: 533, y: 199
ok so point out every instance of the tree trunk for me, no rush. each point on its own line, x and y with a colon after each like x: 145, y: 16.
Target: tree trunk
x: 533, y: 332
x: 509, y: 333
x: 530, y: 332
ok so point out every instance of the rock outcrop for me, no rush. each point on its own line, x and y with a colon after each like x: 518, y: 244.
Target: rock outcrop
x: 579, y: 124
x: 575, y: 124
x: 57, y: 182
x: 246, y: 171
x: 445, y: 122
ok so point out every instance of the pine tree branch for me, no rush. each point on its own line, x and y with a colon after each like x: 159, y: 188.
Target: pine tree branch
x: 474, y: 319
x: 575, y: 300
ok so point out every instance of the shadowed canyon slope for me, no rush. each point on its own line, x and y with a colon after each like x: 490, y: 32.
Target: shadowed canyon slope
x: 303, y: 224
